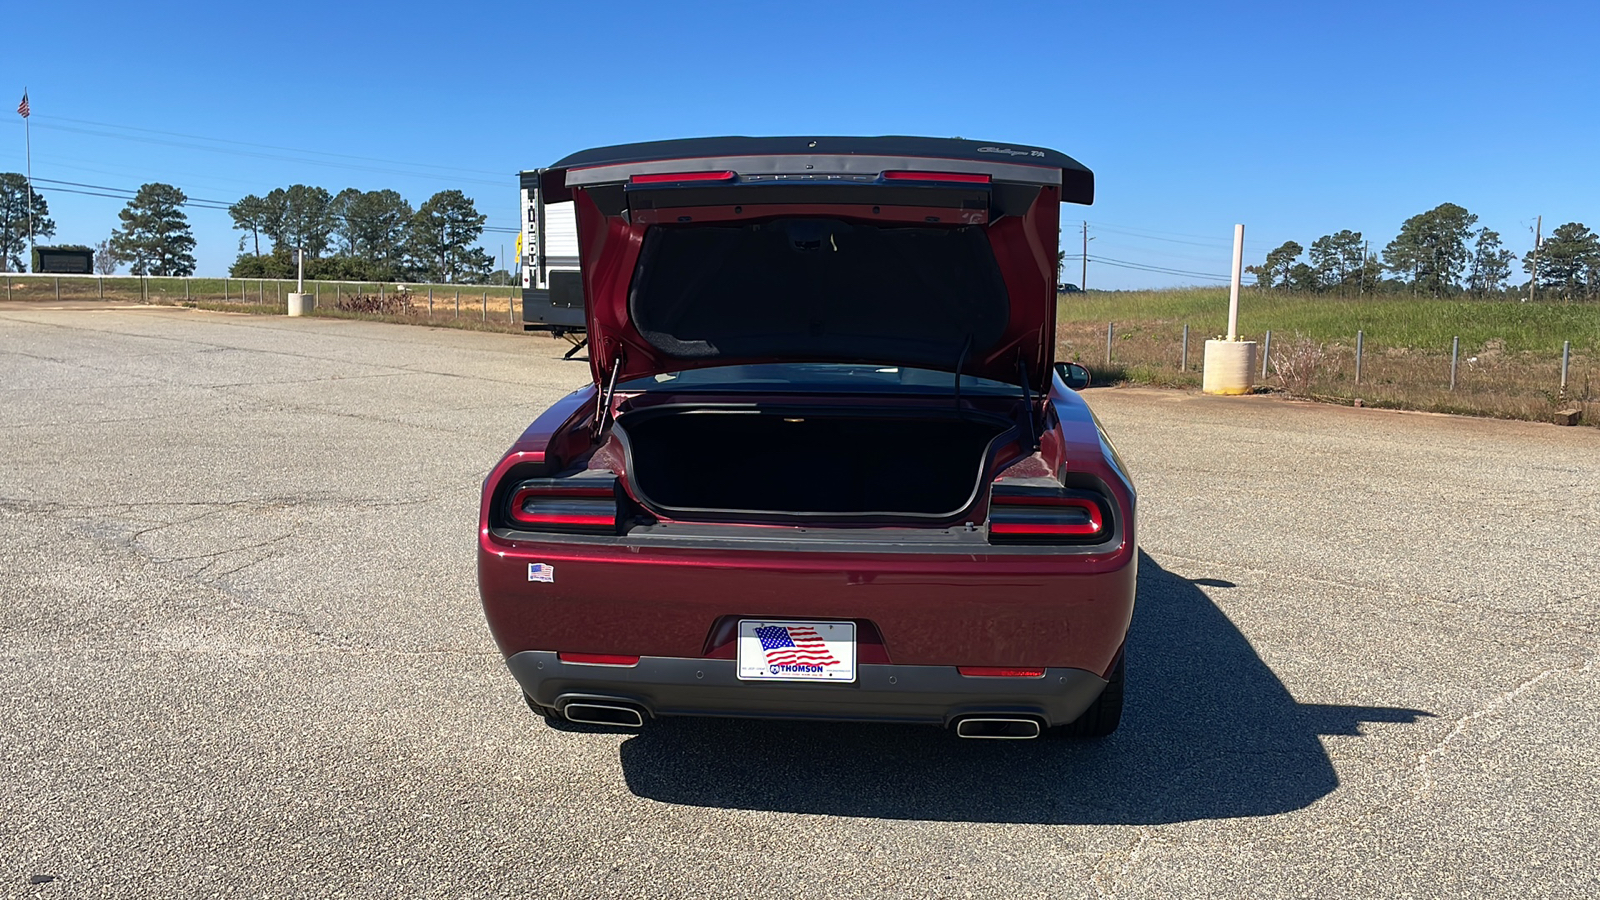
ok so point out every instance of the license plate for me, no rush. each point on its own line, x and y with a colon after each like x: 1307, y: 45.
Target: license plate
x: 797, y: 651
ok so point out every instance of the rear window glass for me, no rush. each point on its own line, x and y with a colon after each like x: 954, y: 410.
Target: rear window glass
x: 819, y: 288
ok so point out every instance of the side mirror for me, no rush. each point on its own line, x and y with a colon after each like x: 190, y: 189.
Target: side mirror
x: 1073, y: 375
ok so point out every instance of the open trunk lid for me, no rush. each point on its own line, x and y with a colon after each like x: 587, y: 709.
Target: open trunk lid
x: 919, y: 252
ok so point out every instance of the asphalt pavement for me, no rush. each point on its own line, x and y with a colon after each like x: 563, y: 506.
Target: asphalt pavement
x: 241, y: 654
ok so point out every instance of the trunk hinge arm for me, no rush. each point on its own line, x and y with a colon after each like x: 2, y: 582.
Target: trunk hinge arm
x: 1027, y: 401
x: 602, y: 410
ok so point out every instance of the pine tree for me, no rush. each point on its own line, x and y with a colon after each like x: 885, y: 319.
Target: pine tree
x: 1569, y: 262
x: 15, y: 198
x: 154, y: 238
x: 441, y: 236
x: 1491, y: 263
x: 1277, y: 270
x: 1430, y: 252
x: 250, y: 214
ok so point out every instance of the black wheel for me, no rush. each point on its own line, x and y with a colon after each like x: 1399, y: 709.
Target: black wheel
x: 1104, y: 714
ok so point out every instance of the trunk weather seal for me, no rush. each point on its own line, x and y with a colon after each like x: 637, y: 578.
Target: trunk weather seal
x: 986, y: 463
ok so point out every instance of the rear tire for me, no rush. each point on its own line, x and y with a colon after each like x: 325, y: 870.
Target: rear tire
x: 1104, y: 714
x: 544, y: 712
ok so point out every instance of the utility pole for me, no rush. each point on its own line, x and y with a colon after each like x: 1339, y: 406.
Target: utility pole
x: 1361, y: 282
x: 1083, y: 282
x: 1533, y: 277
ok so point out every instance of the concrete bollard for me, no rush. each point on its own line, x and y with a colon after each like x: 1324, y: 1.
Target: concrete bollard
x: 301, y: 304
x: 1230, y: 367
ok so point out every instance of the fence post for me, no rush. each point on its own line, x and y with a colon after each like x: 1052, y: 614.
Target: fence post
x: 485, y: 306
x: 1360, y: 335
x: 1566, y: 356
x: 1111, y: 328
x: 8, y: 284
x: 185, y: 287
x: 280, y: 291
x: 99, y: 278
x: 511, y: 311
x: 458, y: 303
x: 430, y: 302
x: 1183, y: 358
x: 1266, y: 354
x: 1455, y: 351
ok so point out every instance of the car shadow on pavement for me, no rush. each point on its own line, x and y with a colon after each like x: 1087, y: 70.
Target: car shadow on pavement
x: 1209, y: 732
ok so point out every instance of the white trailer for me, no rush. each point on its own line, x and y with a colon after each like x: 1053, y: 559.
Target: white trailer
x: 552, y: 289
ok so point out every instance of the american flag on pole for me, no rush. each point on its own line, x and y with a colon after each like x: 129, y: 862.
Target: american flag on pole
x: 22, y: 108
x: 794, y: 645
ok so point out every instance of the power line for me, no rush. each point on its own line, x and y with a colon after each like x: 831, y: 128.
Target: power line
x: 217, y: 204
x: 197, y: 137
x: 275, y: 156
x: 1156, y: 231
x: 1162, y: 270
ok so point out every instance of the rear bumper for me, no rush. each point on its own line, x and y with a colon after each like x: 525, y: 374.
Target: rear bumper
x: 676, y: 686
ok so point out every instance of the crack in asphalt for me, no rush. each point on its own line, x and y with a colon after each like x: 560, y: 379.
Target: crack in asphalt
x: 1101, y: 876
x: 1422, y: 772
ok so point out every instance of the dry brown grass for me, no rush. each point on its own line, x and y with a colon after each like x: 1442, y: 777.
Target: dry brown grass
x: 1490, y: 381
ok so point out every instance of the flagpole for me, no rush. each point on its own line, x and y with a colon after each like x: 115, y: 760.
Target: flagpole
x: 27, y: 138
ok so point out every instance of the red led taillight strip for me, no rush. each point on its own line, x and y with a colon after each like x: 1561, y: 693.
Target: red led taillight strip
x: 673, y: 177
x: 999, y: 672
x: 961, y: 177
x: 598, y: 659
x: 1026, y: 526
x: 1046, y: 515
x: 560, y: 507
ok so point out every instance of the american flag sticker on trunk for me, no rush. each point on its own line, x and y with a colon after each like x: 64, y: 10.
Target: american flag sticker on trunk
x: 541, y: 572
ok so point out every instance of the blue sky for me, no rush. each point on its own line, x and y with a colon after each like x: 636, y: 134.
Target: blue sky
x: 1296, y: 119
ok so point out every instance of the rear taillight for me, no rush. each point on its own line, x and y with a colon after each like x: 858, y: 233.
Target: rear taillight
x: 583, y: 505
x: 958, y: 177
x: 1047, y: 514
x: 673, y: 177
x: 998, y: 672
x: 598, y: 659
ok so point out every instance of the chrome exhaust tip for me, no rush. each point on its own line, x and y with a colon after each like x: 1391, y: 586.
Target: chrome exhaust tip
x: 603, y: 714
x: 996, y: 728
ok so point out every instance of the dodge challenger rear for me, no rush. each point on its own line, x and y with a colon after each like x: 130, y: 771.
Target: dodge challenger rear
x: 827, y: 467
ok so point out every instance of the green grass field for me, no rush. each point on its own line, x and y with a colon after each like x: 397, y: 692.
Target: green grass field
x: 1509, y: 363
x: 1389, y: 320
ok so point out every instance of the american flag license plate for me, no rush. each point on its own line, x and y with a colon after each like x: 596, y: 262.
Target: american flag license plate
x: 797, y: 651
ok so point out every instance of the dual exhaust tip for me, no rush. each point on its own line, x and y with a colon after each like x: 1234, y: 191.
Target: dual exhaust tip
x: 993, y: 728
x: 596, y: 713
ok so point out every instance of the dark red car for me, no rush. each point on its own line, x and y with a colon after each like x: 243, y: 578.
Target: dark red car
x: 827, y: 468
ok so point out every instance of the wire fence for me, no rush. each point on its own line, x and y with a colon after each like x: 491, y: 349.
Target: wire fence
x: 496, y: 303
x: 1364, y: 369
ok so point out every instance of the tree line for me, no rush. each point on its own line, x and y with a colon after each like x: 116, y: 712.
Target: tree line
x: 354, y: 235
x: 1437, y: 253
x: 360, y: 235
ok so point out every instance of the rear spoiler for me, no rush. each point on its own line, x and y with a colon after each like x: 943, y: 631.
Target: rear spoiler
x: 860, y: 161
